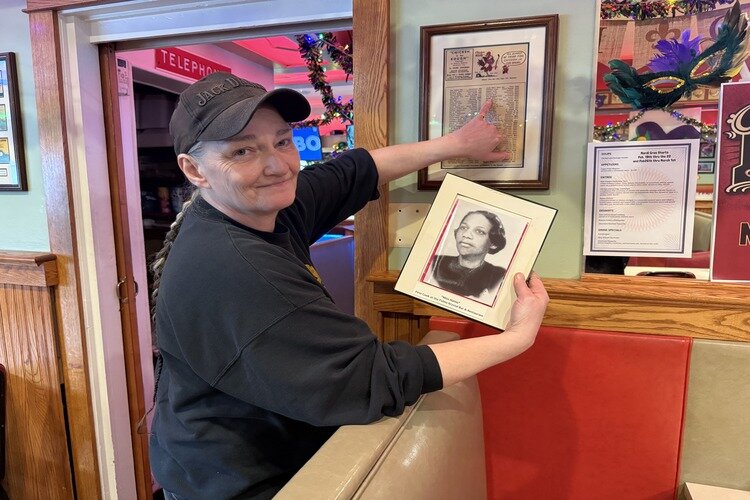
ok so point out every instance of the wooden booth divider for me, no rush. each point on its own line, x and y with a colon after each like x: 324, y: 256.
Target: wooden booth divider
x: 662, y: 306
x: 37, y: 459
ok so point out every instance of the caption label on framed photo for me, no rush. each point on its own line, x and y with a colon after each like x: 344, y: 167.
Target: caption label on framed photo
x: 471, y: 242
x: 12, y: 168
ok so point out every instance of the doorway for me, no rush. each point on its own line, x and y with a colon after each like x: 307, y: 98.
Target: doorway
x: 82, y: 33
x: 153, y: 188
x: 66, y: 40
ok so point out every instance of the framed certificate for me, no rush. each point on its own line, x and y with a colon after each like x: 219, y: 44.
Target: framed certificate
x: 511, y: 62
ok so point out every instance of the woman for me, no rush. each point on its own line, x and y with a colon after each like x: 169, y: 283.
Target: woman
x: 258, y: 366
x: 469, y: 274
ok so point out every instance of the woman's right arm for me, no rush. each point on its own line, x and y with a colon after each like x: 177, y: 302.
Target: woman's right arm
x: 461, y: 359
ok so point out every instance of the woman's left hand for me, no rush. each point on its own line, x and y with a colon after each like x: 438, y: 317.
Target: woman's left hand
x: 478, y: 139
x: 527, y: 312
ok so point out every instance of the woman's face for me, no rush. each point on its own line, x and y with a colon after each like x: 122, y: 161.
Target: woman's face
x: 473, y: 235
x: 253, y: 175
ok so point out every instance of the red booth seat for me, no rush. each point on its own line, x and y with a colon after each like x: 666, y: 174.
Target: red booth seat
x: 583, y: 415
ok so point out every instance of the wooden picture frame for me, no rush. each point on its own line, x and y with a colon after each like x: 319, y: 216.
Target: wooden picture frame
x: 12, y: 165
x: 510, y: 61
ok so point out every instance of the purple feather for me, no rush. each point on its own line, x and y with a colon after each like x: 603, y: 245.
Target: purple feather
x: 675, y: 53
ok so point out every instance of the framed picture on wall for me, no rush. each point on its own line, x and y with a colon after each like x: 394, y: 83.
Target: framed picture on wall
x: 707, y: 150
x: 510, y: 62
x: 472, y: 242
x: 706, y: 167
x: 12, y: 167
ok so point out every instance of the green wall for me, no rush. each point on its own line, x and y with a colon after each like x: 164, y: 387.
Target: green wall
x: 561, y: 256
x: 23, y: 219
x: 23, y: 223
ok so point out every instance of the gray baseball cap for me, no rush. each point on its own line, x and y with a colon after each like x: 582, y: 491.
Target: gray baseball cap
x: 220, y: 105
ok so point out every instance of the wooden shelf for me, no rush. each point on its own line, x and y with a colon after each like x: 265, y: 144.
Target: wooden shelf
x: 28, y: 269
x: 642, y: 305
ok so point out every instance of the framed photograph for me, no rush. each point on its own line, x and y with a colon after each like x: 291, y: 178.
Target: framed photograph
x: 12, y: 168
x: 511, y: 62
x: 706, y: 167
x: 708, y: 150
x: 473, y: 240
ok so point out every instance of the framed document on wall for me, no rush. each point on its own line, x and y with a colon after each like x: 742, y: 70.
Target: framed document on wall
x: 512, y: 63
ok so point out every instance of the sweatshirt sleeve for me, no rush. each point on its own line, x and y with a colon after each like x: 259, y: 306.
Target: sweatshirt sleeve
x: 338, y: 374
x: 349, y: 182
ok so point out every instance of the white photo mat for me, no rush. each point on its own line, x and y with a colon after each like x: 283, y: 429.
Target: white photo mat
x: 525, y: 225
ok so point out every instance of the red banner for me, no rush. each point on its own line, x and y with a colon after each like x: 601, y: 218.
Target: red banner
x: 730, y: 256
x: 186, y: 64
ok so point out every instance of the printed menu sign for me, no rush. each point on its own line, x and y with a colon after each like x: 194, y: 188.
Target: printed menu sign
x: 640, y: 198
x: 475, y: 74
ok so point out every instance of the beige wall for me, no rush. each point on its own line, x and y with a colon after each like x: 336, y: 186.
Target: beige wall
x: 561, y: 256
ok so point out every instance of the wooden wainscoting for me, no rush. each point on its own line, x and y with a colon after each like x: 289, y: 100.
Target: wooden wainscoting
x: 37, y: 462
x: 690, y: 308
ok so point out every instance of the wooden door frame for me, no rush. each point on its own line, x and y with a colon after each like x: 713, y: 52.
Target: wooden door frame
x: 372, y: 28
x: 45, y: 45
x: 126, y: 281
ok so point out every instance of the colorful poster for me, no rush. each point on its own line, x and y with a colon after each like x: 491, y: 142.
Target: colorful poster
x: 4, y: 150
x: 730, y: 249
x: 3, y: 118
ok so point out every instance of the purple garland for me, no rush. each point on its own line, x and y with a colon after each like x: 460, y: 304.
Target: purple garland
x: 311, y: 49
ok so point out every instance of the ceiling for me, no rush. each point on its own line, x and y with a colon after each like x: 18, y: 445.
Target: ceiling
x: 290, y: 69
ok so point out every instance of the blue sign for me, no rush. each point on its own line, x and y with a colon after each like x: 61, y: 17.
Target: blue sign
x: 350, y: 136
x: 307, y: 141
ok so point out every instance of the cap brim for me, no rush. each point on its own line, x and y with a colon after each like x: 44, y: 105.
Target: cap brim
x: 290, y: 104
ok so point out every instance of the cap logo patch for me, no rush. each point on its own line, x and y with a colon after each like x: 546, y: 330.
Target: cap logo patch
x: 204, y: 96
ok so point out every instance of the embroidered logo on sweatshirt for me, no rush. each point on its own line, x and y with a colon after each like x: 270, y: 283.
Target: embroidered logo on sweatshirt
x: 314, y: 273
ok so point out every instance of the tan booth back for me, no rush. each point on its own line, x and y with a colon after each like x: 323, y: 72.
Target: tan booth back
x: 434, y: 450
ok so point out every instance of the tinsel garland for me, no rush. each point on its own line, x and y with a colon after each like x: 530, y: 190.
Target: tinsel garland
x: 311, y: 48
x: 612, y: 132
x: 640, y: 10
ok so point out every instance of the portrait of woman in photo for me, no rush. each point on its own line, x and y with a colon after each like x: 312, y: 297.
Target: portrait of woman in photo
x: 468, y: 274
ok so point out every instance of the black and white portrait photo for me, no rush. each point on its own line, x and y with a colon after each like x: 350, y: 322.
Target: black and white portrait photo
x: 472, y: 241
x: 475, y: 250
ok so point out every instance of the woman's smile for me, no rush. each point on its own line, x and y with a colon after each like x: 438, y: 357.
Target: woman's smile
x: 277, y: 184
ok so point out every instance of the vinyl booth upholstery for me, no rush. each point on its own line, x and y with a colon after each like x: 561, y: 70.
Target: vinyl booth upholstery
x: 434, y: 450
x: 581, y: 415
x: 589, y: 414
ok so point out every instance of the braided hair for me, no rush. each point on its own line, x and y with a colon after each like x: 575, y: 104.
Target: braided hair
x: 157, y: 266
